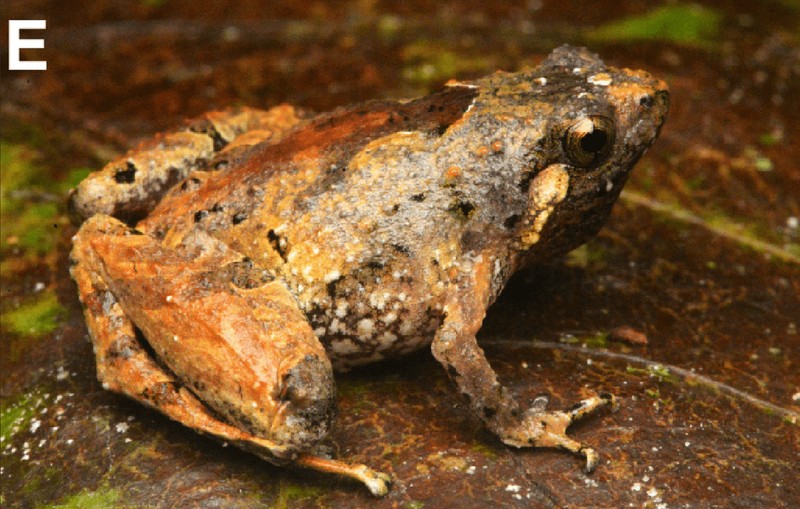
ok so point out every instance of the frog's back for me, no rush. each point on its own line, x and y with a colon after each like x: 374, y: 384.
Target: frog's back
x: 300, y: 166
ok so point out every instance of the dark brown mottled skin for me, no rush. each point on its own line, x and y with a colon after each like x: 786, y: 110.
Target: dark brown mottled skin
x: 273, y: 246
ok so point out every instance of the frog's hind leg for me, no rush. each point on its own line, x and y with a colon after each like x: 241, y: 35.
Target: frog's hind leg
x: 129, y: 187
x: 210, y: 331
x: 123, y: 363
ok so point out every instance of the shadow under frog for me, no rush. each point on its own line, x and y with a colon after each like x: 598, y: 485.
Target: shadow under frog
x: 257, y: 251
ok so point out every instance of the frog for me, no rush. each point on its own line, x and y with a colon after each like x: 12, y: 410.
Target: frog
x: 227, y: 269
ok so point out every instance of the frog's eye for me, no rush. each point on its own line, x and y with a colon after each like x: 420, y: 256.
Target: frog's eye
x: 589, y: 140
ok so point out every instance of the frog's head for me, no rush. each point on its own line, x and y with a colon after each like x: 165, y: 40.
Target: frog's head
x: 602, y: 123
x: 564, y: 137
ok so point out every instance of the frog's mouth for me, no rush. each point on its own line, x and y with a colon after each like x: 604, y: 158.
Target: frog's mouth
x: 559, y: 218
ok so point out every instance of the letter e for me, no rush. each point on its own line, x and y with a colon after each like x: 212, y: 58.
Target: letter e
x: 15, y: 44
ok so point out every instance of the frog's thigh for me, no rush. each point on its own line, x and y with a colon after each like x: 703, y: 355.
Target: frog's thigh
x: 242, y: 351
x: 124, y: 367
x: 129, y: 187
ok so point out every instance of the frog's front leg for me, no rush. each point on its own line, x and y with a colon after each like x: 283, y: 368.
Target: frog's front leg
x: 455, y: 346
x: 130, y: 186
x: 236, y: 358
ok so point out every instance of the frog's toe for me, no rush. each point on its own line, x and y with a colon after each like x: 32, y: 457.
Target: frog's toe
x: 591, y: 405
x: 540, y: 428
x: 562, y: 441
x: 377, y: 483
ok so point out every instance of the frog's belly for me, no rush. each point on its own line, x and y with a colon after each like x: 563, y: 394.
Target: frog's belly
x: 383, y: 325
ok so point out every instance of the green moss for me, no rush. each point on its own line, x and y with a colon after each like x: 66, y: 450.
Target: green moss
x: 99, y: 499
x: 770, y: 139
x: 353, y: 388
x: 662, y: 373
x: 686, y: 24
x: 388, y: 27
x: 35, y: 318
x: 635, y: 371
x: 414, y: 504
x: 74, y: 177
x: 569, y: 339
x: 15, y: 415
x: 427, y: 63
x: 483, y: 450
x: 357, y: 391
x: 599, y: 340
x: 590, y: 255
x: 656, y: 371
x: 18, y: 172
x: 759, y: 161
x: 291, y: 492
x: 35, y: 228
x: 29, y: 201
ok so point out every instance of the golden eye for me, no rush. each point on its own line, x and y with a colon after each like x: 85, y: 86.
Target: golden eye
x: 589, y: 140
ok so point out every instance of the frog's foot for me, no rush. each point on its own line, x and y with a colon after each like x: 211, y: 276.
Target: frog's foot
x: 378, y: 483
x: 540, y: 428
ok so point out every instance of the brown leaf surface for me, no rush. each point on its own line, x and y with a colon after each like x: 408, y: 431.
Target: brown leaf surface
x: 701, y: 256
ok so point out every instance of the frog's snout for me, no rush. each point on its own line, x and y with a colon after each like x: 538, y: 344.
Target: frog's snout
x: 308, y: 393
x: 657, y: 101
x: 660, y: 102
